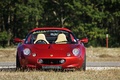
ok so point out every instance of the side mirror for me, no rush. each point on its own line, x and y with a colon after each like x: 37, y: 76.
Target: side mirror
x: 17, y: 40
x: 84, y: 40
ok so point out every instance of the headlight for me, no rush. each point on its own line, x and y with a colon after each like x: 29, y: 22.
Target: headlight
x: 26, y: 51
x: 76, y: 51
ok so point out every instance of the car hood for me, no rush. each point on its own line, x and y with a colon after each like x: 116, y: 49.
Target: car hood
x: 56, y: 50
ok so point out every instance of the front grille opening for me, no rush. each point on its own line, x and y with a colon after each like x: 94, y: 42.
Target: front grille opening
x: 51, y: 61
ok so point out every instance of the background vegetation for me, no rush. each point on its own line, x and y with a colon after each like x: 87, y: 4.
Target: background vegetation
x: 86, y: 18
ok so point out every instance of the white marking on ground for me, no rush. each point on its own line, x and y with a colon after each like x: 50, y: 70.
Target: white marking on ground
x: 101, y: 68
x: 87, y: 68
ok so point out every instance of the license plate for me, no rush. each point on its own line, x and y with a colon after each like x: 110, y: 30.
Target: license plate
x: 51, y: 67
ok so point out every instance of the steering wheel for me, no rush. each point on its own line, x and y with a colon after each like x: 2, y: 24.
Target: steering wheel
x: 41, y: 42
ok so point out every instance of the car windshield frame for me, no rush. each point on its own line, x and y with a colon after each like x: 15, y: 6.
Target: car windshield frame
x: 50, y: 35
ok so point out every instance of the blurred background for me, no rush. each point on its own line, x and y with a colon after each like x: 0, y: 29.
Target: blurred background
x: 93, y: 19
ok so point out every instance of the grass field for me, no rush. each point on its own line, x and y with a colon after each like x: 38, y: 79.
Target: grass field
x: 103, y: 54
x: 93, y: 54
x: 52, y: 75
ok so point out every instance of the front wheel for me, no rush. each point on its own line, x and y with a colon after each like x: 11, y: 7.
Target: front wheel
x: 18, y: 66
x: 84, y: 64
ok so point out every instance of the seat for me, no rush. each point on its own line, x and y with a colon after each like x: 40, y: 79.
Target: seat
x: 42, y: 39
x: 61, y: 39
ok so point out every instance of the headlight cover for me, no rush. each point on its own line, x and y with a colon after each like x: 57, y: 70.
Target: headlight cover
x: 26, y: 51
x: 76, y: 51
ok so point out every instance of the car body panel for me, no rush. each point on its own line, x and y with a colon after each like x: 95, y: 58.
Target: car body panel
x: 51, y: 55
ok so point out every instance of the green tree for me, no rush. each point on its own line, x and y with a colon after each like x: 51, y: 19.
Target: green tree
x: 27, y: 16
x: 86, y: 18
x: 3, y: 38
x: 6, y: 18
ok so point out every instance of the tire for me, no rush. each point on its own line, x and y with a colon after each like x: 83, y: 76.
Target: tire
x: 18, y: 66
x: 84, y: 64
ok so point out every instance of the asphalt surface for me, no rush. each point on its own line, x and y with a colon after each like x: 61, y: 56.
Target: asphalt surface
x: 88, y: 64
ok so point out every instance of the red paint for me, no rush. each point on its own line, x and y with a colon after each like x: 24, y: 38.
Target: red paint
x: 52, y: 53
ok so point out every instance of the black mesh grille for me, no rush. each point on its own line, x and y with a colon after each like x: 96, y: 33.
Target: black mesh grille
x: 51, y: 61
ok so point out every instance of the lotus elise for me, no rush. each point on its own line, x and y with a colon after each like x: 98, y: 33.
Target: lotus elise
x: 51, y: 48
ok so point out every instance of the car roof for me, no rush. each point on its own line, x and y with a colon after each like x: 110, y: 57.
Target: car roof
x: 50, y: 28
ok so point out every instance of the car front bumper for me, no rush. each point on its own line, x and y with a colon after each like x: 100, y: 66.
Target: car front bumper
x: 53, y: 63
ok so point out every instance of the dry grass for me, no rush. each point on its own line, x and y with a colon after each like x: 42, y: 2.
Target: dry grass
x: 76, y: 75
x: 7, y: 55
x: 103, y: 54
x: 93, y: 54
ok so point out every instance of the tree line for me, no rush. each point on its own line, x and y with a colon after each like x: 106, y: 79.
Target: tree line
x: 86, y: 18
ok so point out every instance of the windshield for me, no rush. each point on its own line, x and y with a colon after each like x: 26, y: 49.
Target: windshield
x: 50, y: 37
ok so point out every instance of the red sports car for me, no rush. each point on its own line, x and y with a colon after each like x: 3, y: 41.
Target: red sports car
x: 51, y: 48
